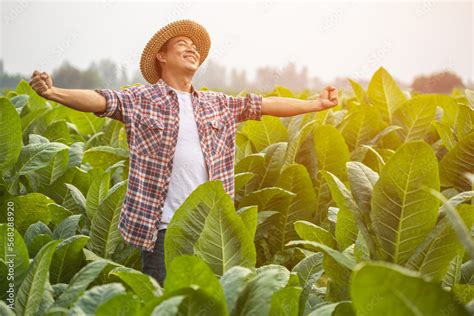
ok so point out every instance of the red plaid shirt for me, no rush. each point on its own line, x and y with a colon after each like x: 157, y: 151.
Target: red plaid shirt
x: 151, y: 118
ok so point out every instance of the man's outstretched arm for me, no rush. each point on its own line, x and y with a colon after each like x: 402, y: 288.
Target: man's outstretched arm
x: 281, y: 107
x: 116, y: 104
x: 77, y: 99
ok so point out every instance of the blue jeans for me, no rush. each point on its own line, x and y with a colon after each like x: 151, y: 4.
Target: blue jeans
x: 153, y: 262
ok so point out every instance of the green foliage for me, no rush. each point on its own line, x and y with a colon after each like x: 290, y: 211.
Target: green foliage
x: 363, y: 209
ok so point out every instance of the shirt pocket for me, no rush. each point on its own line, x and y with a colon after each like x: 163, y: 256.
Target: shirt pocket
x: 148, y: 135
x: 218, y: 136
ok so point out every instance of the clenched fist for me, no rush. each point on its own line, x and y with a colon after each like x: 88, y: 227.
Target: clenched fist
x: 41, y: 82
x: 328, y: 97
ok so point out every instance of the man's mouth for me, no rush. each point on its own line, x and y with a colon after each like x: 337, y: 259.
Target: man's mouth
x: 191, y: 57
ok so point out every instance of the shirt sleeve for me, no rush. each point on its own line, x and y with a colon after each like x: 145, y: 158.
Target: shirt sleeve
x: 244, y: 108
x: 119, y: 103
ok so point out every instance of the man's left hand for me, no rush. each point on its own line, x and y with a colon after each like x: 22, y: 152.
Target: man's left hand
x: 328, y: 98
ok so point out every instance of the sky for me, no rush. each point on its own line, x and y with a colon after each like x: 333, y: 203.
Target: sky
x: 333, y: 39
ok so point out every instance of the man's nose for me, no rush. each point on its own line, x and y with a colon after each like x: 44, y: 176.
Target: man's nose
x: 193, y: 51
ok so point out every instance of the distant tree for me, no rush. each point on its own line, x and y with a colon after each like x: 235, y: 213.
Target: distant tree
x: 108, y: 72
x: 440, y: 82
x: 91, y: 79
x: 9, y: 81
x: 238, y: 80
x: 123, y: 76
x: 212, y: 76
x: 68, y: 76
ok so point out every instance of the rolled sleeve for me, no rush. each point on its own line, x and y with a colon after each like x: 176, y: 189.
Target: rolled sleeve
x: 244, y: 108
x: 119, y: 103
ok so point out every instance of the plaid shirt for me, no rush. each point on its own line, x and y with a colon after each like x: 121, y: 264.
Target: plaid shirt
x: 150, y: 114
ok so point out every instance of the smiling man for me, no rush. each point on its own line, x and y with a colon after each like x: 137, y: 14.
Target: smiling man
x: 178, y: 137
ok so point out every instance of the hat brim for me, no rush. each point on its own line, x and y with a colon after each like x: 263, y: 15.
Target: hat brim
x: 150, y: 66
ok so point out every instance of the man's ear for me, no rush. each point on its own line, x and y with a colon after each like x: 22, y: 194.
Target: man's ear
x: 161, y: 58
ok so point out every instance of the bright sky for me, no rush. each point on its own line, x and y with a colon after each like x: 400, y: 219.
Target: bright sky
x: 334, y: 39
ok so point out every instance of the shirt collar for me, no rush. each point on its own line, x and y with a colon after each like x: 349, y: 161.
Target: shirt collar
x: 166, y: 89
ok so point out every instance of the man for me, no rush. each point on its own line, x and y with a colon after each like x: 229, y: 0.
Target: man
x: 178, y: 137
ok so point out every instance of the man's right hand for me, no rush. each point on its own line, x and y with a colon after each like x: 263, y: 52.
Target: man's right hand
x: 42, y: 83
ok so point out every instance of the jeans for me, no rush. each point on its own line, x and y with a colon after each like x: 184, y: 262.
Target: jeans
x: 153, y: 262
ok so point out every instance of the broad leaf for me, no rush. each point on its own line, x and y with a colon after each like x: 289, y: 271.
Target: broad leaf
x: 403, y: 211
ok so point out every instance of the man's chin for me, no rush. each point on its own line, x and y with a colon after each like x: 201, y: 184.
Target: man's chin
x: 190, y: 69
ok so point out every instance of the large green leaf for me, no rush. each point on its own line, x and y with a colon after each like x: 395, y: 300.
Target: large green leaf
x: 225, y: 241
x: 403, y: 211
x: 5, y: 309
x: 359, y: 92
x: 97, y: 192
x: 309, y: 270
x: 343, y: 308
x: 456, y: 163
x: 242, y: 179
x: 79, y: 283
x: 256, y: 297
x: 104, y: 233
x: 296, y: 142
x: 265, y: 132
x: 446, y: 134
x: 189, y: 220
x: 120, y: 304
x: 385, y: 94
x: 191, y: 272
x: 268, y: 199
x: 243, y: 146
x: 254, y: 163
x: 361, y: 126
x: 415, y: 116
x: 294, y: 179
x: 67, y: 228
x: 61, y: 194
x: 58, y: 131
x: 435, y: 257
x: 10, y: 134
x: 249, y: 216
x: 112, y: 133
x: 274, y: 155
x: 453, y: 276
x: 44, y: 177
x: 362, y: 180
x: 104, y: 156
x: 86, y: 122
x: 463, y: 232
x: 388, y: 289
x: 143, y: 285
x: 34, y: 99
x: 58, y: 213
x: 169, y: 307
x: 12, y: 256
x: 30, y: 293
x: 36, y: 156
x: 332, y: 154
x: 92, y: 299
x: 311, y: 232
x: 465, y: 121
x: 233, y: 282
x: 28, y: 209
x: 285, y: 301
x: 35, y: 229
x: 346, y: 227
x: 68, y: 259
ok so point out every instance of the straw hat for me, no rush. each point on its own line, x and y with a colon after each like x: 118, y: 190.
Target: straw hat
x: 150, y: 66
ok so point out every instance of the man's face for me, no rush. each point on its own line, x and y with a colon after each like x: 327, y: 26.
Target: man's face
x: 180, y: 55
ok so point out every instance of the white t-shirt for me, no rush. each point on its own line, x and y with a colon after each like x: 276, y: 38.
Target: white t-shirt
x: 189, y: 168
